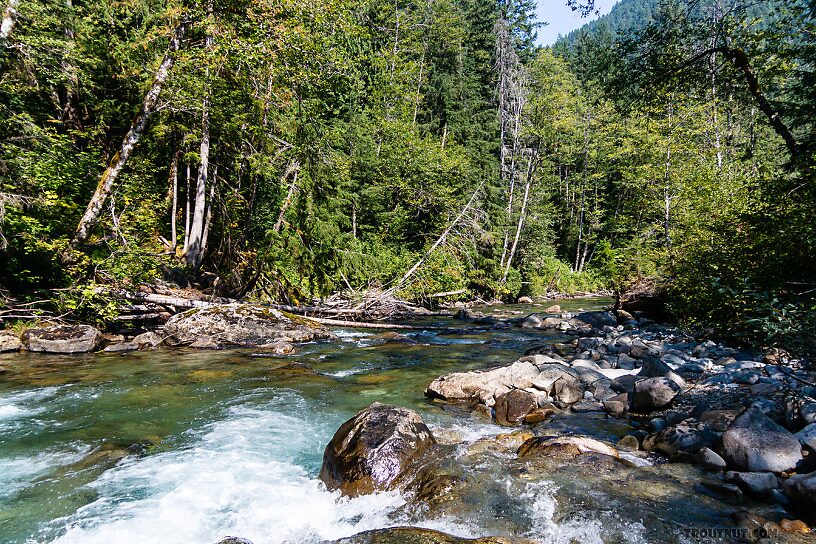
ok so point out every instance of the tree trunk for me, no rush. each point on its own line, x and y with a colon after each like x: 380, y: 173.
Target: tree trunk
x: 187, y: 207
x: 9, y: 19
x: 739, y: 59
x: 174, y: 199
x: 292, y: 168
x: 208, y: 221
x: 530, y: 171
x: 194, y: 245
x: 581, y: 214
x: 435, y: 245
x: 109, y: 177
x: 667, y: 195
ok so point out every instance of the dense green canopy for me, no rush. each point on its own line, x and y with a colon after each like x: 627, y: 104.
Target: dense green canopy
x: 294, y: 148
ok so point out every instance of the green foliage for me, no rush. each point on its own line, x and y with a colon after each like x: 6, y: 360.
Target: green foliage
x: 347, y: 136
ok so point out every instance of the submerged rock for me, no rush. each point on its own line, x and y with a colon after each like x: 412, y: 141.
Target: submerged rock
x: 415, y: 535
x: 753, y: 442
x: 565, y: 446
x: 375, y: 450
x: 236, y: 325
x: 62, y: 339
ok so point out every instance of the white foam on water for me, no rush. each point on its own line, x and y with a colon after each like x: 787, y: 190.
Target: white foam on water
x: 244, y: 477
x: 25, y: 403
x: 541, y: 497
x: 542, y: 503
x: 16, y: 473
x: 347, y: 372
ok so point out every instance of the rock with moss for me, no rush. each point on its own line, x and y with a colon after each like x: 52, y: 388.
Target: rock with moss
x: 241, y: 325
x: 61, y: 339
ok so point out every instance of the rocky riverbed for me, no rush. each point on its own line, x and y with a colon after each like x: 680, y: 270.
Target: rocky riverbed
x: 498, y: 427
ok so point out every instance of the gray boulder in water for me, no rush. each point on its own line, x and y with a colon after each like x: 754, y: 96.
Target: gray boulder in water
x: 61, y: 339
x: 375, y: 450
x: 753, y: 442
x: 241, y: 325
x: 484, y: 386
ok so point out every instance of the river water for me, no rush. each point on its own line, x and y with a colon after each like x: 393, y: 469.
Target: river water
x: 190, y: 446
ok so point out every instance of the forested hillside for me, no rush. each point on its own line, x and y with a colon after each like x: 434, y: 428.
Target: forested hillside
x: 287, y: 150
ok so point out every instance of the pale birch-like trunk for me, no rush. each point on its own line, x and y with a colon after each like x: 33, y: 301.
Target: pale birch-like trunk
x: 109, y: 177
x: 194, y: 244
x: 187, y: 207
x: 292, y: 168
x: 9, y: 19
x: 511, y: 98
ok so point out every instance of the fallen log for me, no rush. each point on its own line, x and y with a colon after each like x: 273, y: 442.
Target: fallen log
x: 185, y: 304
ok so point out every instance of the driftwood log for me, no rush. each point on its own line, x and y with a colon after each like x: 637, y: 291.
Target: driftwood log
x: 181, y: 303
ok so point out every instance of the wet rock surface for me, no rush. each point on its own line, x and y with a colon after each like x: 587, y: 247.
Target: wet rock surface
x: 375, y: 450
x: 415, y: 535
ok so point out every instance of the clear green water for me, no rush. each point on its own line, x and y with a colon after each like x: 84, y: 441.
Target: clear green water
x: 190, y: 446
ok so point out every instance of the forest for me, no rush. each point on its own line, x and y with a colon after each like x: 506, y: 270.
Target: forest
x: 285, y: 150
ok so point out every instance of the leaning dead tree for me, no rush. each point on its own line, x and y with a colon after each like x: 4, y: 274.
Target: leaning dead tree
x: 134, y: 134
x: 439, y: 241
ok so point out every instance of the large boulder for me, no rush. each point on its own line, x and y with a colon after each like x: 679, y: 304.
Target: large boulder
x: 560, y: 382
x: 655, y: 368
x: 483, y: 386
x: 62, y: 339
x: 9, y: 342
x: 512, y: 407
x: 375, y: 450
x: 755, y: 443
x: 653, y: 394
x: 241, y: 325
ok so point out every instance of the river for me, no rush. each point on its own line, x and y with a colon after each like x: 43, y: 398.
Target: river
x: 190, y: 446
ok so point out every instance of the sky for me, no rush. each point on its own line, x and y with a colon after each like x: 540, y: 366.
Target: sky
x: 561, y: 19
